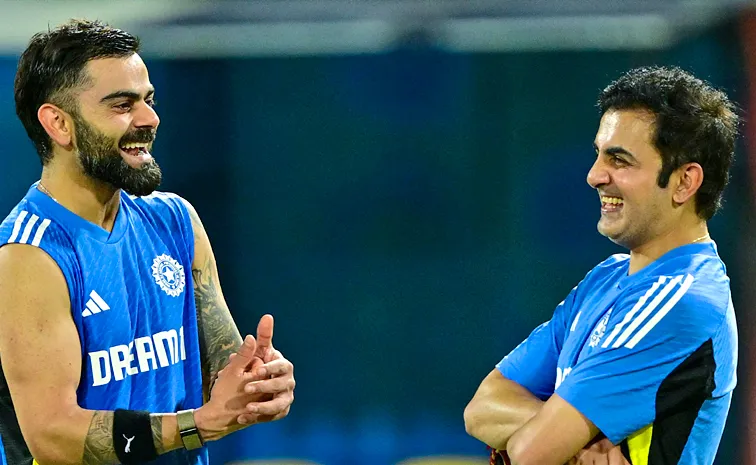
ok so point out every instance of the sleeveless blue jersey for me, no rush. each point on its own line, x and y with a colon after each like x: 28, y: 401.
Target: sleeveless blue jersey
x: 132, y: 301
x: 649, y: 358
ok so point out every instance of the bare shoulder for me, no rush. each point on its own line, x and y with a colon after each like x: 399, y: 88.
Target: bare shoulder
x: 33, y: 293
x: 200, y: 235
x: 28, y: 268
x: 192, y: 211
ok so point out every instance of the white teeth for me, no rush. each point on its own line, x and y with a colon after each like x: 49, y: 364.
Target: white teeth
x: 612, y: 200
x: 135, y: 145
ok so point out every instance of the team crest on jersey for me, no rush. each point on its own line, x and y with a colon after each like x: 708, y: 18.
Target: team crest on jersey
x: 600, y: 329
x: 169, y: 275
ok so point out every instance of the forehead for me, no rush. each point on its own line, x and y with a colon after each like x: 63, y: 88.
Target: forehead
x: 107, y: 75
x: 630, y: 129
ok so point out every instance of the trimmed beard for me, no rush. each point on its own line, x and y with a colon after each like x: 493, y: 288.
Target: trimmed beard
x: 100, y: 158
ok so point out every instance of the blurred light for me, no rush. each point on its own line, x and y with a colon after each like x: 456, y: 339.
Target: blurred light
x: 197, y: 28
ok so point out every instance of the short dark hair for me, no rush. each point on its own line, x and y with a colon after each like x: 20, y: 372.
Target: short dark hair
x: 694, y: 122
x: 53, y: 64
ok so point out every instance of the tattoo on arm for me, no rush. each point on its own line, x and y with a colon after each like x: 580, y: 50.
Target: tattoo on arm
x: 219, y: 337
x: 98, y: 446
x: 157, y: 432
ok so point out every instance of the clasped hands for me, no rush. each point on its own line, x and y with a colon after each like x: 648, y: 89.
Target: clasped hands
x: 256, y: 386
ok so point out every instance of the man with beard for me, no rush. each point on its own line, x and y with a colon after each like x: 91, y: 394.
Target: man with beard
x: 106, y: 356
x: 638, y: 362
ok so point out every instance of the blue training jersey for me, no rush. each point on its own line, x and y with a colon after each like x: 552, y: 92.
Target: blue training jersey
x: 132, y: 301
x: 649, y: 358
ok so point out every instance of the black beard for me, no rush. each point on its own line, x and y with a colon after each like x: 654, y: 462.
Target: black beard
x: 101, y: 159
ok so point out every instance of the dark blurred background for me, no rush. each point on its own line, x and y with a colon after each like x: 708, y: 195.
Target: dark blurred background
x: 402, y: 184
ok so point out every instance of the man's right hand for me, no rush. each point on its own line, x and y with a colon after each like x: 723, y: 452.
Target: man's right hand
x: 228, y: 400
x: 601, y: 452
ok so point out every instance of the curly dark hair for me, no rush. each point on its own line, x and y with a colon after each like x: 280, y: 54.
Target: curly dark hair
x: 694, y: 122
x: 53, y: 64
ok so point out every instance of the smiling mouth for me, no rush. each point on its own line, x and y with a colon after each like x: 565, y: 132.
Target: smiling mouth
x: 135, y: 148
x: 136, y: 154
x: 611, y: 204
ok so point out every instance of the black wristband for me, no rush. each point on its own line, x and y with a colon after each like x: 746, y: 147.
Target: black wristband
x: 132, y: 437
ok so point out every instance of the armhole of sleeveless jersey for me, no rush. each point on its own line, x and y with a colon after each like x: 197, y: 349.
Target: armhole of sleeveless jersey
x: 70, y: 285
x: 187, y: 225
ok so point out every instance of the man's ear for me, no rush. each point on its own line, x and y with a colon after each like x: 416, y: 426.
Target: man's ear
x: 57, y: 123
x: 691, y: 177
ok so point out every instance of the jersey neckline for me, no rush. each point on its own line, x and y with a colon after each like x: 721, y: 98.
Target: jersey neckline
x: 701, y: 248
x: 80, y: 224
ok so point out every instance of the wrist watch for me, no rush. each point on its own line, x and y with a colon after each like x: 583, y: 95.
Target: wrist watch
x: 188, y: 429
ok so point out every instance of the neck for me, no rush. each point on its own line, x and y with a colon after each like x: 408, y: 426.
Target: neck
x: 645, y: 254
x: 92, y: 200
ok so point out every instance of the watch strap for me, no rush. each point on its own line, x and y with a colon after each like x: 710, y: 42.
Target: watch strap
x: 188, y: 430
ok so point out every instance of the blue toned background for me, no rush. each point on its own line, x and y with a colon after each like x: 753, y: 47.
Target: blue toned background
x: 408, y: 215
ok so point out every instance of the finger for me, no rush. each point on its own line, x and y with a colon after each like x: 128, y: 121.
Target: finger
x: 280, y: 367
x: 277, y: 416
x: 248, y: 377
x: 250, y: 418
x: 270, y: 386
x: 249, y: 365
x: 255, y: 365
x: 272, y: 407
x: 264, y: 336
x: 274, y: 417
x: 244, y: 355
x: 273, y: 354
x: 616, y: 457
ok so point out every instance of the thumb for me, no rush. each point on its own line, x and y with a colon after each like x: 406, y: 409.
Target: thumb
x: 264, y: 336
x: 244, y: 355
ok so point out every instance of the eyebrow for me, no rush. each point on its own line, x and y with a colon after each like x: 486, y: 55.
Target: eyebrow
x: 130, y: 94
x: 615, y: 150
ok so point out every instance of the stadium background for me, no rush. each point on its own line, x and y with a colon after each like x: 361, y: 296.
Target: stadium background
x: 402, y: 184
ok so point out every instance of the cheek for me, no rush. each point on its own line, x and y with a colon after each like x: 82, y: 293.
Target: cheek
x: 116, y: 126
x: 639, y: 190
x: 653, y: 202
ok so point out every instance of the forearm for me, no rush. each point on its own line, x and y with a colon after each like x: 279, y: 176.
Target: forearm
x: 86, y: 437
x: 499, y: 408
x: 553, y: 436
x: 219, y: 336
x: 494, y: 422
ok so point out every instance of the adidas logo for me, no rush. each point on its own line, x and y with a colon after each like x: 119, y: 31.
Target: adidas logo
x: 94, y: 305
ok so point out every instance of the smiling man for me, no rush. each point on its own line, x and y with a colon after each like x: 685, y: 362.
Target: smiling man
x: 637, y: 364
x: 107, y: 354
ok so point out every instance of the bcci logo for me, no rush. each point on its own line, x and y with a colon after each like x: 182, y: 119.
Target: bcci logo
x: 600, y: 329
x: 169, y: 275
